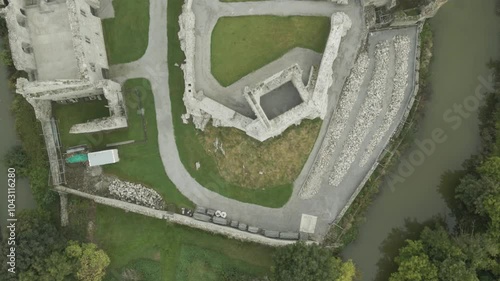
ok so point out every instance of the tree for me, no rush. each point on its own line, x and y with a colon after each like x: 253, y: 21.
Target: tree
x: 343, y: 271
x: 54, y: 268
x: 491, y: 169
x: 453, y: 258
x: 17, y: 158
x: 492, y: 204
x: 453, y: 270
x: 36, y: 239
x: 90, y: 262
x: 299, y: 262
x: 414, y: 264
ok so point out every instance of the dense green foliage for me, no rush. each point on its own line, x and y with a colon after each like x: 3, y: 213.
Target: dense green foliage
x: 17, y: 158
x: 44, y: 254
x: 30, y: 134
x: 437, y: 255
x: 5, y: 55
x: 299, y: 262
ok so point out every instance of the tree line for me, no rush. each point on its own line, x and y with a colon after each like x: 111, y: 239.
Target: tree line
x: 471, y: 250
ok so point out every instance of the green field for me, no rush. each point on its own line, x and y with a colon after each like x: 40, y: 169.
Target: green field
x: 126, y: 35
x: 158, y: 251
x: 139, y: 161
x: 241, y: 45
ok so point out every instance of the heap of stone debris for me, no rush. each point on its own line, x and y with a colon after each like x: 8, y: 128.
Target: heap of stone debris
x: 402, y: 50
x: 338, y: 124
x: 136, y: 193
x: 370, y: 110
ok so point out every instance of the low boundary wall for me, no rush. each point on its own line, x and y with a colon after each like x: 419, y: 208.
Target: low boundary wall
x: 176, y: 218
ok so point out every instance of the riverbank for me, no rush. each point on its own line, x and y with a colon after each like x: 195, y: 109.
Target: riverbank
x: 458, y: 70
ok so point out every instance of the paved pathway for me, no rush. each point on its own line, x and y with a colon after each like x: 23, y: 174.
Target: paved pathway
x: 153, y: 66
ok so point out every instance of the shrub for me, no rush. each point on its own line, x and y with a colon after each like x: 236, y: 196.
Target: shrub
x: 17, y: 158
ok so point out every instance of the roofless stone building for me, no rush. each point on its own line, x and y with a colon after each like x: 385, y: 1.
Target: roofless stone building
x: 303, y: 101
x: 60, y: 45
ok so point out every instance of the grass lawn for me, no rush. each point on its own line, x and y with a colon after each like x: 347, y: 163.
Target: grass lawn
x: 271, y: 190
x: 81, y: 112
x: 241, y: 45
x: 155, y: 250
x: 140, y: 161
x: 126, y: 35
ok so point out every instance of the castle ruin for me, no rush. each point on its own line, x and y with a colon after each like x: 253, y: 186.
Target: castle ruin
x: 264, y: 124
x: 60, y: 45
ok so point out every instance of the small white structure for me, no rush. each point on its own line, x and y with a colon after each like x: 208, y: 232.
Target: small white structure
x: 104, y: 157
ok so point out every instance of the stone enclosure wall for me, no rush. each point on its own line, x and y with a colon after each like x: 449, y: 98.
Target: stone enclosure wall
x: 315, y: 96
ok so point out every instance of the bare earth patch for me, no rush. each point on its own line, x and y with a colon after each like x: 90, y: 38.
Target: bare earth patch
x: 249, y: 163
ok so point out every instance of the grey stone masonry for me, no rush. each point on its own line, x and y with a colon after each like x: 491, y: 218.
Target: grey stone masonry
x: 60, y: 45
x: 314, y: 96
x: 179, y: 219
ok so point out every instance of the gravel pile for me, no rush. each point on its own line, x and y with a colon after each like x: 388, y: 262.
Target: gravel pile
x: 370, y: 110
x: 402, y: 50
x: 336, y: 127
x: 136, y: 193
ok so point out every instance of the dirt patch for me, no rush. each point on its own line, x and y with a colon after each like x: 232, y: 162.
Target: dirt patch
x: 246, y: 162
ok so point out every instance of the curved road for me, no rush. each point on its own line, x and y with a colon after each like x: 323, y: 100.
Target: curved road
x: 153, y: 66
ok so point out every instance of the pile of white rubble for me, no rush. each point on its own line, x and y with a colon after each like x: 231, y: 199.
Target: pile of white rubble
x: 370, y: 110
x: 402, y: 50
x: 335, y: 129
x: 136, y: 193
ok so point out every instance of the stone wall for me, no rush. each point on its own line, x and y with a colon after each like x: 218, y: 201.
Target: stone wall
x: 18, y: 35
x: 88, y: 40
x: 426, y: 12
x: 179, y: 219
x: 315, y: 95
x: 64, y: 90
x: 340, y: 24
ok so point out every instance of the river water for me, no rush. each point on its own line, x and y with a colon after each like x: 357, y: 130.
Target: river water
x: 8, y: 138
x: 466, y: 37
